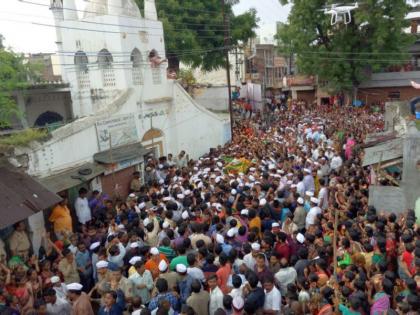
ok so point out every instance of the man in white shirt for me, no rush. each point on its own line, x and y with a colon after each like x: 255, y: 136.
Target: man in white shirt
x: 336, y: 161
x: 56, y: 305
x: 285, y: 275
x: 272, y: 302
x: 313, y: 212
x: 216, y: 295
x: 81, y: 205
x: 323, y: 195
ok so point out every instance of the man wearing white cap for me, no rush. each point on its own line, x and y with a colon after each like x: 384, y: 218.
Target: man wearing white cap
x: 81, y: 302
x: 59, y: 287
x: 313, y: 212
x: 184, y: 284
x: 308, y: 180
x: 299, y: 216
x: 153, y: 262
x: 250, y: 259
x: 170, y: 276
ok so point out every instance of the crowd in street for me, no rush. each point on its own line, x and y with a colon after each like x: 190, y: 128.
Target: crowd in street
x: 249, y: 228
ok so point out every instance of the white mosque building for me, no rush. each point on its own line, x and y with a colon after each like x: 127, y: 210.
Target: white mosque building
x: 124, y: 104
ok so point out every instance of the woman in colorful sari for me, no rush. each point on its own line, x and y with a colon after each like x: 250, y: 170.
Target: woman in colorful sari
x: 381, y: 301
x: 349, y: 147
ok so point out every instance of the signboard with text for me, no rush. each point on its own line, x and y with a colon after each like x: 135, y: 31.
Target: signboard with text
x: 117, y: 131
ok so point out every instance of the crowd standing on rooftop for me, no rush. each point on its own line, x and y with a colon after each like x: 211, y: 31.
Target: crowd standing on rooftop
x: 249, y: 228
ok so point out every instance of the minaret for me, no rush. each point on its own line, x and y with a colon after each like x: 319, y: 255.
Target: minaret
x: 70, y: 10
x: 150, y: 10
x: 56, y: 6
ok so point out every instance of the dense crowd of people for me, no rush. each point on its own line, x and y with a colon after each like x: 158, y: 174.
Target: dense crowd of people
x: 249, y: 228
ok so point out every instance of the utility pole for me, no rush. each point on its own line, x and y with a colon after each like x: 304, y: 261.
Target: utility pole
x: 227, y: 43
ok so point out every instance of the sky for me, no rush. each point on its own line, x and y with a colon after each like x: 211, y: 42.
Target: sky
x: 17, y: 17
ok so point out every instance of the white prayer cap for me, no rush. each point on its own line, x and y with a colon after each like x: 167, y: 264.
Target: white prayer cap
x: 134, y: 259
x: 154, y: 251
x: 289, y: 182
x: 195, y: 168
x: 314, y: 200
x: 290, y: 174
x: 238, y: 303
x: 95, y: 245
x: 121, y: 227
x: 274, y: 225
x: 165, y: 225
x: 252, y: 169
x: 300, y: 238
x: 134, y: 245
x: 163, y: 266
x: 293, y: 186
x: 300, y: 201
x: 213, y: 176
x: 146, y: 221
x: 142, y: 205
x: 218, y: 179
x: 280, y: 172
x: 55, y: 279
x: 74, y: 287
x: 233, y: 192
x: 132, y: 195
x: 102, y: 264
x: 180, y: 196
x: 187, y: 192
x: 306, y: 170
x: 185, y: 215
x: 166, y: 198
x: 161, y: 181
x: 220, y: 239
x: 263, y: 202
x: 255, y: 246
x: 181, y: 268
x: 207, y: 169
x: 309, y: 193
x: 219, y: 164
x: 200, y: 185
x: 245, y: 212
x: 271, y: 167
x: 231, y: 232
x: 251, y: 178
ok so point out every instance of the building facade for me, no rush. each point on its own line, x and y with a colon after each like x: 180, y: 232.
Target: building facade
x: 123, y: 104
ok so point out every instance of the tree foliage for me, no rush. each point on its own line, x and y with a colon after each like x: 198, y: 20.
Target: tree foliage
x: 194, y: 31
x: 343, y: 56
x: 15, y: 75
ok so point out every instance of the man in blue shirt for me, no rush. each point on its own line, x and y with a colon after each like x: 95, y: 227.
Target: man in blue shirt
x: 114, y: 303
x: 84, y: 265
x: 164, y: 295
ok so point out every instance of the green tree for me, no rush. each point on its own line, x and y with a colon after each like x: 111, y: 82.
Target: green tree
x: 343, y: 56
x: 15, y: 74
x: 194, y: 31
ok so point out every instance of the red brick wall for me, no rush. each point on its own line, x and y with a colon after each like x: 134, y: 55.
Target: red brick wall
x: 382, y: 94
x: 122, y: 177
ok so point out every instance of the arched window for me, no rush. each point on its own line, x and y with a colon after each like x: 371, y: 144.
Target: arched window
x: 105, y: 61
x: 82, y: 71
x: 136, y: 60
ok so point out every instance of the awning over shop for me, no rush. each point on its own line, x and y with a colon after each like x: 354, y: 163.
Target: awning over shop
x: 383, y: 152
x: 122, y: 153
x: 21, y: 196
x: 72, y: 177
